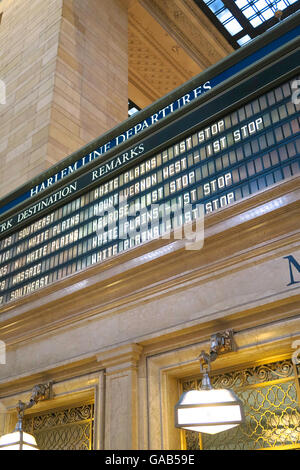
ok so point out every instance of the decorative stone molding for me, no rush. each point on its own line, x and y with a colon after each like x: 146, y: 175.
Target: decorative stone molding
x: 120, y: 358
x: 157, y: 64
x: 191, y: 28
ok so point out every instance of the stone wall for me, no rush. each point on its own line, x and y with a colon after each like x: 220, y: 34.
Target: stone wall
x: 64, y: 65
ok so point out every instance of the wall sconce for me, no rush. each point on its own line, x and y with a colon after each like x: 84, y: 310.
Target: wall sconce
x: 210, y: 410
x: 20, y: 440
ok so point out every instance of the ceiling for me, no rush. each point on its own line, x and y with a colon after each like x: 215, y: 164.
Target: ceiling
x: 171, y: 41
x: 242, y: 20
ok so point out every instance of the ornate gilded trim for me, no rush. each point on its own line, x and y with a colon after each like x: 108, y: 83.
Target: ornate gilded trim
x: 63, y: 429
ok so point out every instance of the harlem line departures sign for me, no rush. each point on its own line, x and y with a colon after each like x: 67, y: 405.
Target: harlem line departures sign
x: 221, y: 151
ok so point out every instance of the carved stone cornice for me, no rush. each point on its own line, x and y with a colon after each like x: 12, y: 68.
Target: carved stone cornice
x: 157, y: 64
x: 156, y: 48
x: 191, y: 28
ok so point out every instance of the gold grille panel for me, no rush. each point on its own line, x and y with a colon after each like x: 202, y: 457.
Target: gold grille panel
x: 270, y: 394
x: 63, y: 429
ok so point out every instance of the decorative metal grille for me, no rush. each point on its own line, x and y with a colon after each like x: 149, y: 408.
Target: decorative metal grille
x: 269, y: 394
x: 63, y: 429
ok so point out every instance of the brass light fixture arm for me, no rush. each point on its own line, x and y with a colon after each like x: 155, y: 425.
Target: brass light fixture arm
x: 39, y: 392
x: 220, y: 343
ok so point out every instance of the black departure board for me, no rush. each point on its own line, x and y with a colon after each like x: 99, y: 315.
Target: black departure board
x: 235, y: 156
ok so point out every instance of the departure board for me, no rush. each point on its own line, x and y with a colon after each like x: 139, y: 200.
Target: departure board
x: 235, y: 156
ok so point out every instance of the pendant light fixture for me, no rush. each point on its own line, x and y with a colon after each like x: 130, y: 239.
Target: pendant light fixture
x: 210, y: 410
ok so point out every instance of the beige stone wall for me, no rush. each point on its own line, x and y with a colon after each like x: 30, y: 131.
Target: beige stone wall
x: 140, y: 321
x: 91, y: 80
x: 64, y: 63
x: 29, y: 36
